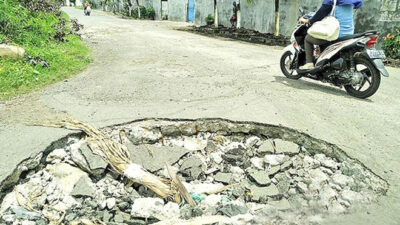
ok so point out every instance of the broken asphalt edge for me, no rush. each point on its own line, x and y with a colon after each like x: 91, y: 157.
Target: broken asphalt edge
x: 313, y: 145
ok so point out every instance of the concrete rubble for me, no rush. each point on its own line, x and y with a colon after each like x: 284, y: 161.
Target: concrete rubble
x: 230, y: 172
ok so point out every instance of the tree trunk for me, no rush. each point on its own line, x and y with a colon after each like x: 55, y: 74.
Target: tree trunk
x: 138, y: 7
x: 276, y: 17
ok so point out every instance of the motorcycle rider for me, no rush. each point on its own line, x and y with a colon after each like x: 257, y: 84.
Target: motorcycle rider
x: 87, y: 9
x: 344, y: 13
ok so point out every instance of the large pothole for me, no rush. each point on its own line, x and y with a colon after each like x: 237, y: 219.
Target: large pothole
x: 248, y: 173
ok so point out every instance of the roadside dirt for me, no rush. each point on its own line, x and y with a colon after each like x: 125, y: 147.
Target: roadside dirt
x: 241, y: 34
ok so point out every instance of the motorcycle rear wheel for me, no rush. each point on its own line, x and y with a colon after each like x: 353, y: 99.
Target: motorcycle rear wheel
x: 372, y: 77
x: 286, y: 60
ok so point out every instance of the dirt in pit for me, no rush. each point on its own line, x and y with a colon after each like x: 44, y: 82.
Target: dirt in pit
x: 236, y: 172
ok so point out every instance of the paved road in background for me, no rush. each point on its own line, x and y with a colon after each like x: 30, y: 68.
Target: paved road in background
x: 150, y: 69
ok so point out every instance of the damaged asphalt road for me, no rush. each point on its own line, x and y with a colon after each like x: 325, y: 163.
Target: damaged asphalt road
x: 149, y: 69
x: 275, y: 175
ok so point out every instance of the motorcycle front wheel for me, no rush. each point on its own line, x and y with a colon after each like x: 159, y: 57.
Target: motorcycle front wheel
x: 371, y: 81
x: 286, y: 62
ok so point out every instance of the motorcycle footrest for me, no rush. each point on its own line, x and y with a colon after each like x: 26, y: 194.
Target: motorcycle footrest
x: 310, y: 71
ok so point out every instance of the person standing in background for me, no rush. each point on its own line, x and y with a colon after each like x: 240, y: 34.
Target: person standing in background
x: 234, y: 16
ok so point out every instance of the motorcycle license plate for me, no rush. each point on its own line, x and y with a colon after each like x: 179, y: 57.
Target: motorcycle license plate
x: 376, y: 54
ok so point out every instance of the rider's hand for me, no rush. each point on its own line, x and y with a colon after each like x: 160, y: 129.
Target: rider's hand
x: 302, y: 20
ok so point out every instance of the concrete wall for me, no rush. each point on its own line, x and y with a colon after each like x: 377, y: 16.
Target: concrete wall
x: 259, y: 16
x: 225, y: 12
x: 164, y: 10
x: 288, y: 16
x: 383, y: 15
x: 202, y: 9
x: 177, y: 10
x: 156, y: 4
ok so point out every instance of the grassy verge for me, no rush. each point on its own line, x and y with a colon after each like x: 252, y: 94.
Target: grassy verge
x: 36, y: 32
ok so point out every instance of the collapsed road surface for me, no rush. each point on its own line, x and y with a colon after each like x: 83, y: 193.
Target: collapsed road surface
x: 235, y: 172
x: 149, y: 69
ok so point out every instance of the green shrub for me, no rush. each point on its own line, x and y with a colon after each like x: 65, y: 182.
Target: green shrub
x: 44, y: 32
x: 391, y: 44
x: 210, y: 19
x: 135, y: 12
x: 145, y: 13
x: 151, y: 14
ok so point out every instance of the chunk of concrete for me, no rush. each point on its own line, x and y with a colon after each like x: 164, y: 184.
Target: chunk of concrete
x: 231, y: 210
x: 110, y: 202
x: 342, y: 180
x: 217, y: 157
x: 201, y: 188
x: 85, y: 159
x: 95, y: 162
x: 193, y: 166
x: 10, y: 51
x: 9, y: 200
x: 302, y: 187
x: 327, y: 194
x: 262, y: 193
x: 236, y: 156
x: 282, y: 204
x: 154, y: 207
x: 257, y: 163
x: 274, y: 160
x: 24, y: 214
x: 266, y: 148
x: 225, y: 178
x: 84, y: 187
x: 272, y: 170
x: 286, y: 165
x: 66, y: 175
x: 56, y: 156
x: 283, y: 184
x: 351, y: 196
x: 286, y: 147
x: 121, y: 217
x: 194, y: 144
x: 260, y: 177
x: 212, y: 200
x: 154, y: 158
x: 317, y: 176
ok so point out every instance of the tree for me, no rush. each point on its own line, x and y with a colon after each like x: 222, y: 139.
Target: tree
x: 130, y: 7
x: 138, y: 8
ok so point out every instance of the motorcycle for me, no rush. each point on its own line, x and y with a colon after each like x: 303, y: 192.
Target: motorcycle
x: 351, y: 62
x: 87, y: 11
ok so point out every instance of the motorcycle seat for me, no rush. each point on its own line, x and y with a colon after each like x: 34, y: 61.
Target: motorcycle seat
x: 345, y: 38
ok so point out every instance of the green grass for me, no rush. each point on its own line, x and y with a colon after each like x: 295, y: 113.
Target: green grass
x: 35, y: 31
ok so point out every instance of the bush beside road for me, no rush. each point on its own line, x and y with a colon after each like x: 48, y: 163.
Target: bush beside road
x: 52, y: 51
